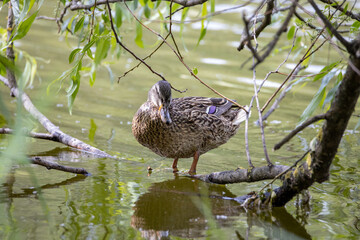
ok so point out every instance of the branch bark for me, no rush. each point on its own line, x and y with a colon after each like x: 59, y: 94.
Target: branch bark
x: 55, y: 132
x: 243, y: 175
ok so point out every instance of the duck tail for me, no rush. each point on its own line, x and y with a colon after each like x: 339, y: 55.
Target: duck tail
x: 241, y: 116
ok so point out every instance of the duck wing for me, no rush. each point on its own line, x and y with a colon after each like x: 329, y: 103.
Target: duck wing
x: 215, y: 106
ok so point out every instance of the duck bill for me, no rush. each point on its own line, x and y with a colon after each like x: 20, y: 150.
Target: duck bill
x: 165, y: 115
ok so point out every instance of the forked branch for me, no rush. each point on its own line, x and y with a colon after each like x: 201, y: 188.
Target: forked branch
x: 300, y: 128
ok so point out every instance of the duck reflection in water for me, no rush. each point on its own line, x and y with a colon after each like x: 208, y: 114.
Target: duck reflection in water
x: 175, y: 208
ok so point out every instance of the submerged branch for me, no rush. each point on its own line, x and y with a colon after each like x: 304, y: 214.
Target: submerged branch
x: 51, y: 165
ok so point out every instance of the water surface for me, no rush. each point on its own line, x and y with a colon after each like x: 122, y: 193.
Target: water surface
x: 120, y: 200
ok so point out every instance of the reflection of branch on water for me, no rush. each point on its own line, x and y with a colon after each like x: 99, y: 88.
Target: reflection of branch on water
x: 64, y: 154
x: 169, y: 209
x: 31, y: 191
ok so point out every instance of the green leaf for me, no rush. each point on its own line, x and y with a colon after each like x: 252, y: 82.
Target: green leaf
x: 8, y: 64
x: 79, y: 24
x: 202, y: 35
x: 111, y: 74
x: 151, y: 4
x: 291, y: 33
x: 73, y: 54
x: 345, y: 9
x: 212, y: 4
x: 147, y: 11
x: 24, y: 27
x: 355, y: 26
x: 89, y: 45
x: 138, y: 38
x: 357, y: 125
x: 92, y: 130
x: 325, y: 70
x: 74, y: 86
x: 330, y: 95
x: 89, y: 53
x: 102, y: 48
x: 92, y: 74
x: 203, y: 29
x: 183, y: 17
x: 118, y: 15
x: 315, y: 102
x: 142, y: 2
x: 195, y: 71
x: 305, y: 63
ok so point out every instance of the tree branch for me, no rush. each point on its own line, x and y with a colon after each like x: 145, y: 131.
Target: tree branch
x: 124, y: 47
x: 282, y: 94
x: 265, y: 21
x: 347, y: 13
x: 10, y: 50
x: 328, y: 24
x: 277, y: 35
x: 55, y: 132
x: 44, y: 136
x: 243, y: 175
x: 51, y: 165
x: 299, y: 128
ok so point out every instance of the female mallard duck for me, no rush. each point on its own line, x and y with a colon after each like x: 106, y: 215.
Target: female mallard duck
x: 184, y: 127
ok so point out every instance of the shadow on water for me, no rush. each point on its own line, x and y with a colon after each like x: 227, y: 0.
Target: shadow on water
x: 169, y: 209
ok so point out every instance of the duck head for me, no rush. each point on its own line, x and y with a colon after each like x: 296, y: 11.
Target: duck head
x: 160, y: 96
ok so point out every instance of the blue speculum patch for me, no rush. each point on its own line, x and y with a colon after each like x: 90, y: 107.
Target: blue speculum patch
x: 211, y: 110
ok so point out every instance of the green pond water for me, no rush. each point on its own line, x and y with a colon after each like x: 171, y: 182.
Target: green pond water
x: 120, y: 200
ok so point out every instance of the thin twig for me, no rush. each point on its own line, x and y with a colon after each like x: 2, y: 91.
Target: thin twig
x: 45, y: 136
x: 281, y: 96
x: 265, y: 22
x: 336, y: 5
x: 277, y: 35
x: 92, y: 21
x: 247, y: 140
x: 248, y: 39
x: 328, y: 24
x: 170, y: 28
x: 260, y: 116
x: 299, y: 128
x: 285, y: 171
x: 182, y: 61
x: 305, y: 56
x: 46, y: 18
x: 60, y: 20
x: 127, y: 49
x: 281, y: 64
x: 209, y: 15
x: 76, y: 5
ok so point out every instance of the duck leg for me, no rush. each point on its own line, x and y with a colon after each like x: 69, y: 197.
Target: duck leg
x: 174, y: 166
x: 192, y: 170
